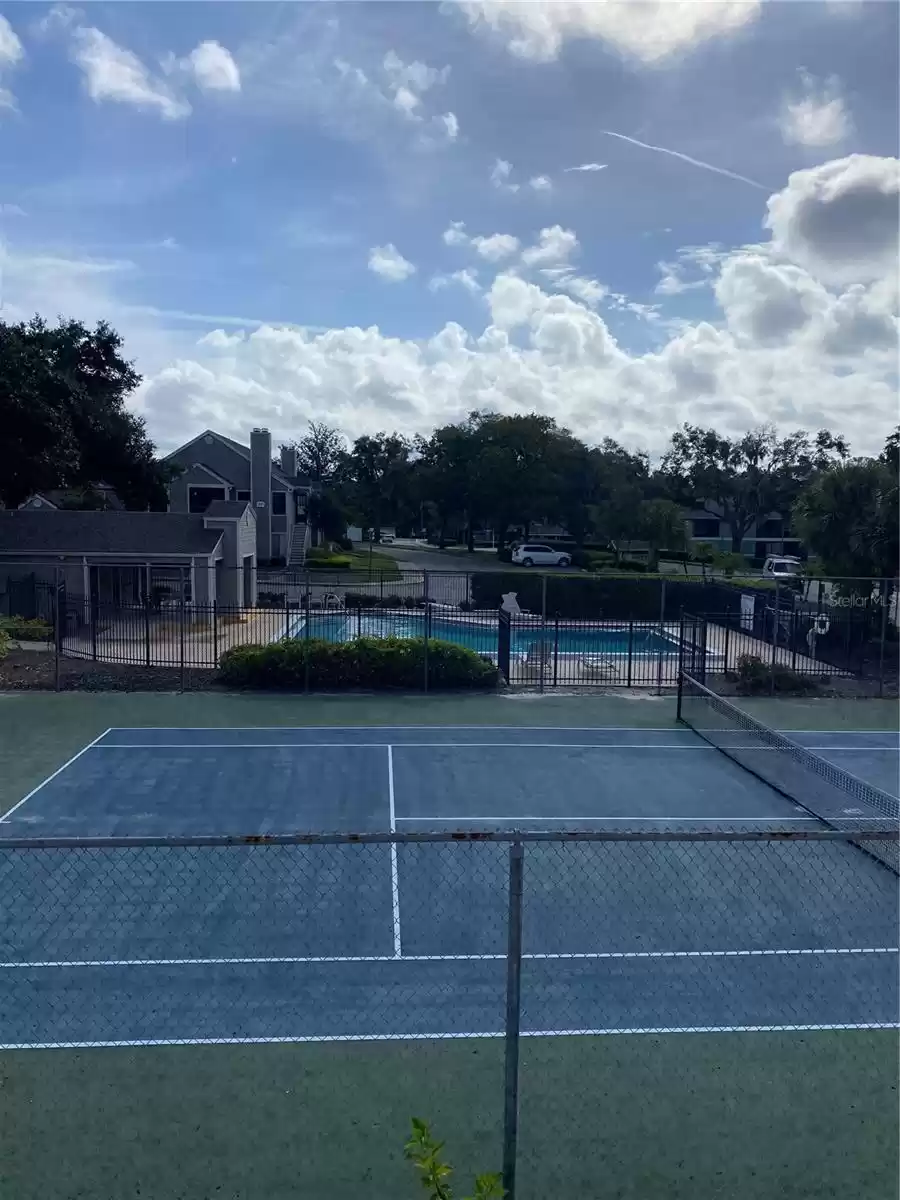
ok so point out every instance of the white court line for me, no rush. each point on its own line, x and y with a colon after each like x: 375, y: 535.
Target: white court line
x: 443, y: 1037
x: 395, y: 876
x: 589, y: 955
x: 513, y: 728
x: 363, y: 728
x: 58, y: 771
x: 461, y: 746
x: 716, y: 820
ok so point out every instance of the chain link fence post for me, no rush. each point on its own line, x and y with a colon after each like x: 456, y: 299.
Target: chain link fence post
x: 513, y: 1018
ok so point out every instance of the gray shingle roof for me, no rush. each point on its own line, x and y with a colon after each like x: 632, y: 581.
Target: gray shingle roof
x: 227, y: 508
x: 24, y: 532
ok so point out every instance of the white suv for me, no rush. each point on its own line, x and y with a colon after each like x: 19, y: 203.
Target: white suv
x: 534, y: 555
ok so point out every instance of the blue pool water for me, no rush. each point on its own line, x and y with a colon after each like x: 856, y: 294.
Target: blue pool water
x: 482, y: 637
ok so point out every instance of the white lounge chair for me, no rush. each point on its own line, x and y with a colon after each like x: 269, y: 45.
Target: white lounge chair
x: 599, y: 666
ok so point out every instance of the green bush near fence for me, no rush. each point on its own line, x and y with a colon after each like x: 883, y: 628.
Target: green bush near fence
x: 4, y: 645
x: 756, y: 678
x: 619, y: 597
x: 364, y: 663
x: 26, y: 629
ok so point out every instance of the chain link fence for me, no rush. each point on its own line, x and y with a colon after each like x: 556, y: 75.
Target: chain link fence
x: 570, y: 975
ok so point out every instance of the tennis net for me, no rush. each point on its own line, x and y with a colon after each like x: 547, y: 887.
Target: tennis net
x: 839, y: 799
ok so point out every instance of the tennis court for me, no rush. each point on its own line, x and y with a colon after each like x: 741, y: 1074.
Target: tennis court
x: 378, y: 939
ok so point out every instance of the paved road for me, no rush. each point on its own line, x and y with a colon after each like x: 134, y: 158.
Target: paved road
x: 414, y: 557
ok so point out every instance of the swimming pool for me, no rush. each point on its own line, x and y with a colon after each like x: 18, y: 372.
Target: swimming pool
x: 481, y: 635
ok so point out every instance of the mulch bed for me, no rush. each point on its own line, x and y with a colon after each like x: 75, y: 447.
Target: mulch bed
x: 31, y: 670
x: 26, y: 670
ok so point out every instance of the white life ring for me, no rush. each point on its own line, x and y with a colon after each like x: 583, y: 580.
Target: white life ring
x: 822, y: 623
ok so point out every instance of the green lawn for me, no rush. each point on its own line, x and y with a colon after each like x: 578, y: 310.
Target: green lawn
x: 633, y: 1117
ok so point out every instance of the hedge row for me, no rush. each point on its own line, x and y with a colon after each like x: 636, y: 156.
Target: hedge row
x: 368, y: 663
x: 610, y: 597
x: 26, y: 629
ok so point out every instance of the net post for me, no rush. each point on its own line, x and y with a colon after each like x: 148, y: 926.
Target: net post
x: 680, y: 663
x: 727, y: 638
x: 513, y: 1018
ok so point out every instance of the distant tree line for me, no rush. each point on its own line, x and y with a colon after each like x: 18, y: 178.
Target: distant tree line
x: 65, y: 424
x: 509, y: 472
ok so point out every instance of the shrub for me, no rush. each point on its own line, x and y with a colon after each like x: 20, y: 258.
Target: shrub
x: 631, y: 564
x: 270, y: 599
x: 756, y: 678
x: 27, y: 629
x: 4, y: 645
x: 369, y: 663
x: 360, y: 599
x: 330, y: 561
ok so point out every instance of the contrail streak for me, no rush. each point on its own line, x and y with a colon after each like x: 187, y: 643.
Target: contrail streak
x: 695, y: 162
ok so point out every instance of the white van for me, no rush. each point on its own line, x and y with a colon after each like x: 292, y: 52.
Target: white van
x: 781, y: 566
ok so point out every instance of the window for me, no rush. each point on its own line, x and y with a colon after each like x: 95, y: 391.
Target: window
x: 279, y: 507
x: 243, y: 495
x: 200, y: 498
x: 705, y: 527
x: 771, y: 528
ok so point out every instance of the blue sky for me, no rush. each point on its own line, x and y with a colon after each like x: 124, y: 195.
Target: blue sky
x: 373, y: 214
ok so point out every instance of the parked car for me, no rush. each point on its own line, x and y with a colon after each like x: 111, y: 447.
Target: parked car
x: 534, y: 555
x: 781, y: 566
x: 387, y: 539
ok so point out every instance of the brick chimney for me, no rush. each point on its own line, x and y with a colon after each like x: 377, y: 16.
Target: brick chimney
x: 261, y: 490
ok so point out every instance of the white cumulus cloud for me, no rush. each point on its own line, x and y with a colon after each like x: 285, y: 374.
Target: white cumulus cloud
x: 11, y: 54
x: 500, y: 176
x: 554, y: 245
x: 650, y: 31
x: 541, y: 183
x: 817, y: 116
x: 388, y: 263
x: 495, y: 247
x: 839, y: 220
x: 113, y: 73
x: 213, y: 68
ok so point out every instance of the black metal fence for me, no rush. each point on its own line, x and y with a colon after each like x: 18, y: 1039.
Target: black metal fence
x: 553, y: 943
x: 544, y: 631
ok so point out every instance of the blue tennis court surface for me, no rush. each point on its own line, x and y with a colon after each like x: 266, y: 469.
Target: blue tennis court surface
x: 378, y: 940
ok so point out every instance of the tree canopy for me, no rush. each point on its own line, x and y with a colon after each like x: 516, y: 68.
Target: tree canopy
x: 63, y: 393
x: 849, y: 516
